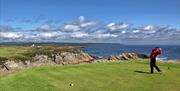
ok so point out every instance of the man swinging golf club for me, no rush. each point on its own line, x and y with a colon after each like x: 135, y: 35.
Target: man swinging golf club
x: 155, y: 51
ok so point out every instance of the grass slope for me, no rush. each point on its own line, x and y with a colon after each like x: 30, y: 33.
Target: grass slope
x: 113, y: 76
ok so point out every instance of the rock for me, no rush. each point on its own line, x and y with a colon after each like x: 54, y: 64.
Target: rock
x: 12, y: 65
x: 85, y: 57
x: 69, y: 58
x: 75, y: 58
x: 58, y: 59
x: 128, y: 56
x: 39, y: 60
x: 113, y: 57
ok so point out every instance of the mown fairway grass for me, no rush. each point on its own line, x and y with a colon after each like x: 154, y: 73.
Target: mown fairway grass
x: 112, y: 76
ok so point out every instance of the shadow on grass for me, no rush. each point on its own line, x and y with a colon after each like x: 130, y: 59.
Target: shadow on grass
x: 141, y: 72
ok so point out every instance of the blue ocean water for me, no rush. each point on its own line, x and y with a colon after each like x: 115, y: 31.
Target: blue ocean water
x: 103, y: 50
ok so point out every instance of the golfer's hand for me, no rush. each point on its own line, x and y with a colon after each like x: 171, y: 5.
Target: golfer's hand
x: 160, y: 49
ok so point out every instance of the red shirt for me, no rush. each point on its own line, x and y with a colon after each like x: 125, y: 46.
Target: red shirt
x: 155, y: 52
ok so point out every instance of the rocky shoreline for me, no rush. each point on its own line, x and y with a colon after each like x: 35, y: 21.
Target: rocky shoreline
x: 61, y: 56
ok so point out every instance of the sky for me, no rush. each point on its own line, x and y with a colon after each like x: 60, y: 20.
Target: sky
x: 96, y: 21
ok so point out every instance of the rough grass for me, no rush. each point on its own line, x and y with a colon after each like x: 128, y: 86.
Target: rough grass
x: 112, y: 76
x: 22, y: 53
x: 9, y: 51
x: 13, y: 53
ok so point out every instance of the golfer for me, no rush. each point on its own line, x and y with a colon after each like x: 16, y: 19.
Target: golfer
x: 155, y: 51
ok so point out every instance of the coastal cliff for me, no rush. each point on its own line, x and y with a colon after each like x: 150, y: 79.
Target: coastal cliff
x: 46, y: 55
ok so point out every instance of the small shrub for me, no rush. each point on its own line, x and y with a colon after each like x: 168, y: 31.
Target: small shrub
x: 2, y: 60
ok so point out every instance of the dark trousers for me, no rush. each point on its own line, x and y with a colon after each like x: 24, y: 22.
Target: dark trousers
x: 153, y: 64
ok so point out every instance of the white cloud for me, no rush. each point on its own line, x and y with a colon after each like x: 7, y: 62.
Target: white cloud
x: 81, y: 19
x: 123, y: 32
x: 114, y: 27
x: 48, y: 34
x: 71, y: 28
x: 136, y: 31
x: 80, y: 25
x: 79, y: 35
x: 149, y: 27
x: 90, y: 31
x: 88, y: 24
x: 101, y: 36
x: 11, y: 35
x: 45, y: 27
x: 111, y: 24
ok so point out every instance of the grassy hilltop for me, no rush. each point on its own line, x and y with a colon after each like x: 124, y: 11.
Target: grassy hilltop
x: 113, y: 76
x: 22, y: 53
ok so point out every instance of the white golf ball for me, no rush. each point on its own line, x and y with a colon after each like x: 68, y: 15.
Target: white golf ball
x: 71, y: 84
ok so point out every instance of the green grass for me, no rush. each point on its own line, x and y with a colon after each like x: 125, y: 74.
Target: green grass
x: 9, y: 51
x: 22, y: 53
x: 12, y: 52
x: 112, y: 76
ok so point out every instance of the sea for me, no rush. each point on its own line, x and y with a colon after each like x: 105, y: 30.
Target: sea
x: 170, y: 52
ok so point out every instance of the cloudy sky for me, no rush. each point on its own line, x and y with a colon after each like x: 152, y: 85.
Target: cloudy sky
x: 90, y: 21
